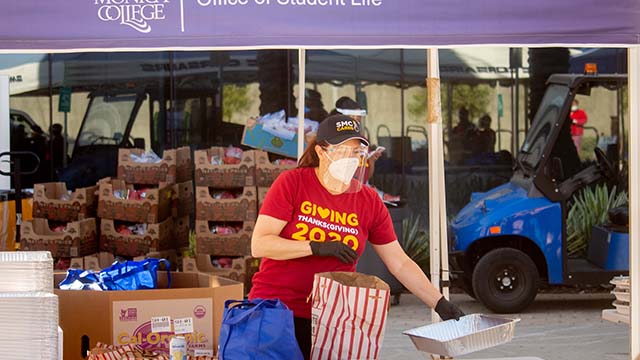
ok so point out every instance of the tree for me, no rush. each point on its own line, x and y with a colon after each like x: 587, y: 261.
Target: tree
x: 475, y: 98
x: 234, y: 100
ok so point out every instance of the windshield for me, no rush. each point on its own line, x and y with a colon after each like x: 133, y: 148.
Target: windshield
x: 106, y: 120
x: 546, y: 117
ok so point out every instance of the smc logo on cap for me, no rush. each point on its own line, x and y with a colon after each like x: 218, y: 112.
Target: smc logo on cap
x: 347, y: 125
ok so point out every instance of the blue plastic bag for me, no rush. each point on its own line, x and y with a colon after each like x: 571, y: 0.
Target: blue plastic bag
x: 133, y: 275
x: 78, y: 279
x: 258, y: 329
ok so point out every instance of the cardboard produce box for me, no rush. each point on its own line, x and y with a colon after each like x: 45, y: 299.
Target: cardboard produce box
x: 158, y: 237
x: 154, y: 208
x: 79, y: 239
x: 183, y: 199
x: 238, y: 244
x: 224, y: 176
x: 243, y: 208
x: 81, y: 205
x: 171, y: 255
x: 95, y: 262
x: 262, y: 193
x: 242, y: 269
x: 181, y: 229
x: 267, y: 172
x: 176, y: 167
x: 125, y: 317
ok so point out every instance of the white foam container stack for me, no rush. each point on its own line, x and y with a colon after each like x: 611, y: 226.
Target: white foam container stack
x: 28, y: 307
x: 26, y: 271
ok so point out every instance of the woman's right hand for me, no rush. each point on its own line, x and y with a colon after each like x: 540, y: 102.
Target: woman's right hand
x: 336, y: 249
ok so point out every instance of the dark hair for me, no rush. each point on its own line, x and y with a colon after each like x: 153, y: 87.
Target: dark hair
x: 346, y: 102
x: 310, y: 158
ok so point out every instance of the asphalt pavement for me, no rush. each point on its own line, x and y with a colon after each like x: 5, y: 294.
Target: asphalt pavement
x: 554, y: 327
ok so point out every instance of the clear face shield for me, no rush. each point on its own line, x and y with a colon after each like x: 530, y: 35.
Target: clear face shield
x: 346, y: 167
x: 358, y: 115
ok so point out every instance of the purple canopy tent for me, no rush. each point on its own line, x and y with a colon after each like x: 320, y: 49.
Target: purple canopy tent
x: 116, y: 25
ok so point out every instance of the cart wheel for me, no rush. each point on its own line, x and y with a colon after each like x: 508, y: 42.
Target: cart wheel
x: 505, y: 280
x: 395, y: 300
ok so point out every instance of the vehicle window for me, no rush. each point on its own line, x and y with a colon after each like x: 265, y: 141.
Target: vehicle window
x: 107, y: 120
x: 18, y: 120
x: 543, y: 123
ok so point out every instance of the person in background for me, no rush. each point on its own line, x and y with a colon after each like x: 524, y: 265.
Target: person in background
x: 460, y: 139
x: 314, y: 108
x: 300, y: 230
x: 56, y: 146
x: 578, y: 119
x: 484, y: 139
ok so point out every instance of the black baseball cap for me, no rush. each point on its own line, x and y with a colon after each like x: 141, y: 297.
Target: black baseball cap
x: 339, y: 128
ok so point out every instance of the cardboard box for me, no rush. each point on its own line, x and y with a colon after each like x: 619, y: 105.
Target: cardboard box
x: 242, y: 269
x: 176, y: 167
x: 46, y: 204
x: 181, y: 229
x: 98, y: 261
x: 155, y: 208
x: 267, y: 172
x: 183, y: 199
x: 243, y: 208
x: 224, y: 176
x: 256, y: 137
x: 124, y: 317
x: 262, y: 193
x: 79, y: 239
x: 158, y: 237
x: 238, y: 244
x: 170, y: 255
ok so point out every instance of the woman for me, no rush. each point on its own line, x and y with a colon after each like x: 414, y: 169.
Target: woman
x: 317, y: 218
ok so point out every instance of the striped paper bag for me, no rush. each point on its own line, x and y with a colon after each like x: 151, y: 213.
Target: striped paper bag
x: 348, y: 314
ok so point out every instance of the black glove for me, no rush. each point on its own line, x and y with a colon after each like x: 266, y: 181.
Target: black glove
x: 448, y: 310
x: 336, y: 249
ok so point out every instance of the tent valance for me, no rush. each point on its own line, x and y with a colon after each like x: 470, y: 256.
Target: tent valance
x: 100, y: 24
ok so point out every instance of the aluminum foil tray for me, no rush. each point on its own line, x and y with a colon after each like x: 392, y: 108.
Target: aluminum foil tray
x: 470, y: 334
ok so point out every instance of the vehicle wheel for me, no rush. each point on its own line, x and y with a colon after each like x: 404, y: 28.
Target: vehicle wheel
x: 505, y: 280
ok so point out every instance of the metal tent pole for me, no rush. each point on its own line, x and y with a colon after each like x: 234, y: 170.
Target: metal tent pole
x: 634, y: 198
x: 302, y: 77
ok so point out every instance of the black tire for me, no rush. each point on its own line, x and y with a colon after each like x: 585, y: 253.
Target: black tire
x: 505, y: 280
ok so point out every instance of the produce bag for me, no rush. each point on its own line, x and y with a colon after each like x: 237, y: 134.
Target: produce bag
x: 258, y: 330
x: 348, y: 315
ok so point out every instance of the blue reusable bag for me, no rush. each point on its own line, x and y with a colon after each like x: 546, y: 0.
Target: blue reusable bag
x: 133, y: 275
x: 258, y: 330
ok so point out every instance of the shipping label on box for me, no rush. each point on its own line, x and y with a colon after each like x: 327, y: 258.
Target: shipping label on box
x: 132, y: 323
x: 52, y: 201
x: 225, y: 176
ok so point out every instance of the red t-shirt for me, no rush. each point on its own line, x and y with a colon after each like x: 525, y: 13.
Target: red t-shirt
x: 311, y: 212
x: 579, y: 118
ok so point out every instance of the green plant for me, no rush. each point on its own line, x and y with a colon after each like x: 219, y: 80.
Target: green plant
x: 235, y: 99
x: 415, y: 242
x: 191, y: 250
x: 591, y: 207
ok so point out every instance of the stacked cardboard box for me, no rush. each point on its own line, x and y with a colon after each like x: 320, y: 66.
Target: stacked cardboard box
x: 75, y: 213
x: 240, y: 212
x: 241, y: 269
x: 168, y: 201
